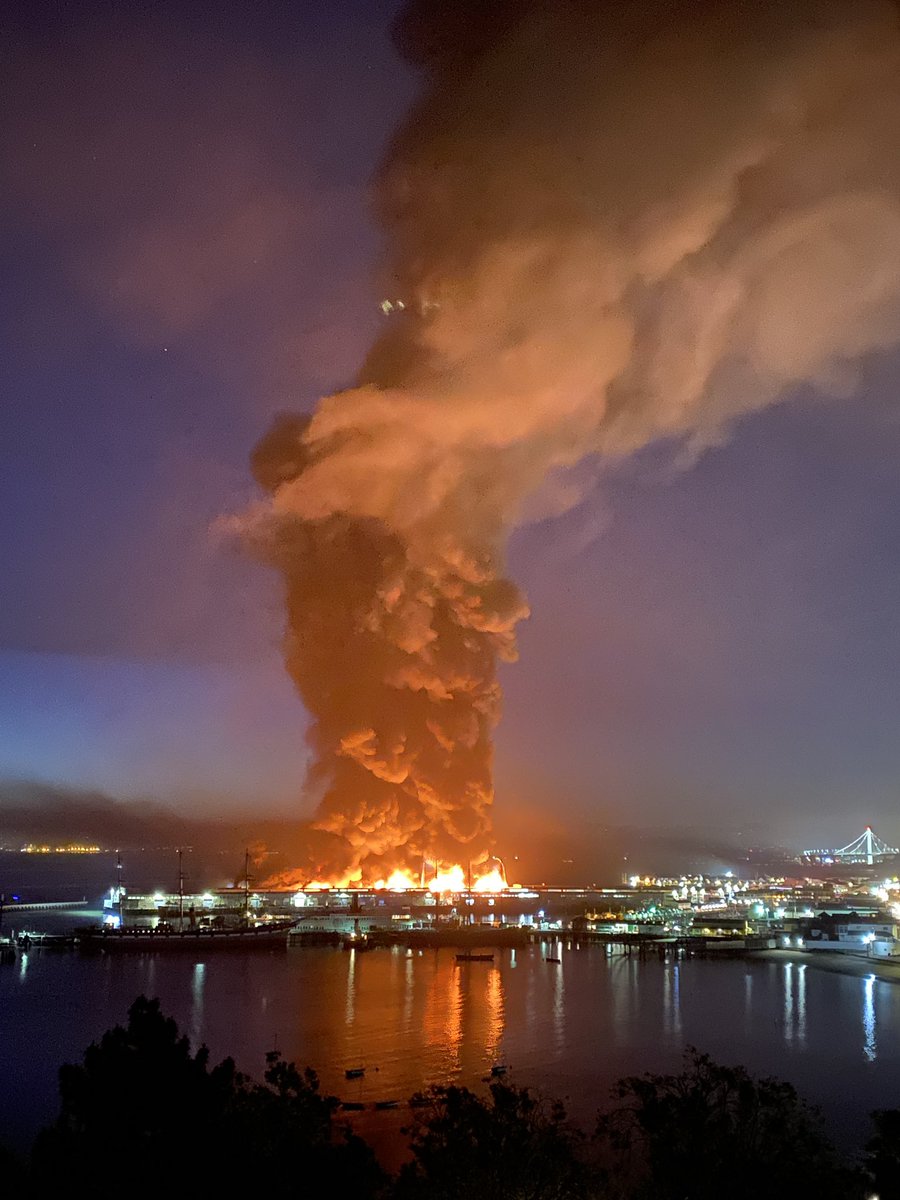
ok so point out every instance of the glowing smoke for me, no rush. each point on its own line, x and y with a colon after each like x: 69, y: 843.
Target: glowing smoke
x: 609, y: 224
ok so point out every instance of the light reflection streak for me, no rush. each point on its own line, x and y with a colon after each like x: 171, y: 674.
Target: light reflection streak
x: 408, y: 992
x: 672, y: 999
x: 788, y: 1002
x: 801, y: 1003
x: 559, y: 999
x: 23, y: 964
x: 870, y: 1046
x: 350, y: 1003
x: 442, y: 1018
x: 495, y: 1011
x: 197, y: 982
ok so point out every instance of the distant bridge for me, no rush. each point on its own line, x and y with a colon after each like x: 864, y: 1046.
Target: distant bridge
x: 867, y: 848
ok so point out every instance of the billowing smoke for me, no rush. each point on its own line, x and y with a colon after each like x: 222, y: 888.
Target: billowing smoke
x: 607, y: 224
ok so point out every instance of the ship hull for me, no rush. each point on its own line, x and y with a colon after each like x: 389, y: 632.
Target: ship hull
x: 262, y: 937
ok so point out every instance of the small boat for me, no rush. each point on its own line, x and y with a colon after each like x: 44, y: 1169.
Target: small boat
x: 498, y: 1069
x: 354, y: 1072
x: 352, y: 1105
x: 553, y: 960
x: 474, y: 958
x: 381, y: 1104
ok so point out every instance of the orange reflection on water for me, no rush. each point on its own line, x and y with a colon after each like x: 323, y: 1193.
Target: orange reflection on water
x: 494, y: 1009
x: 442, y: 1018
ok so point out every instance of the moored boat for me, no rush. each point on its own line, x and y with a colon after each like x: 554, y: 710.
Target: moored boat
x: 266, y: 935
x: 245, y: 935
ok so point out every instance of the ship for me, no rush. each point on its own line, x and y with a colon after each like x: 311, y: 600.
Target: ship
x: 267, y: 934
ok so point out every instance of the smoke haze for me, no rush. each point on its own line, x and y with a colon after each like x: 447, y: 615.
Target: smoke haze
x: 608, y: 225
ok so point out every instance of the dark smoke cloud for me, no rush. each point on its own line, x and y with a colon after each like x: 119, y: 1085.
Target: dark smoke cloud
x: 34, y: 811
x: 609, y: 225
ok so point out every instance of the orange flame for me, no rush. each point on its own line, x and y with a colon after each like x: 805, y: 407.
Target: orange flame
x: 397, y: 881
x: 445, y: 879
x: 492, y: 882
x: 450, y: 880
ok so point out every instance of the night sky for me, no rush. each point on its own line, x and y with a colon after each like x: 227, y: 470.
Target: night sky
x: 187, y: 250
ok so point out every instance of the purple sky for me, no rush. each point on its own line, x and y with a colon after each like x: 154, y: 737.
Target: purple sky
x: 187, y: 250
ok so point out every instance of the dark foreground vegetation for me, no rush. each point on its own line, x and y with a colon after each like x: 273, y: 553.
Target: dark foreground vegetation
x: 144, y: 1117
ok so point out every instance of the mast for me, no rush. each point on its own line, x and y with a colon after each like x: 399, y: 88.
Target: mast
x: 180, y: 890
x: 119, y: 885
x: 246, y: 887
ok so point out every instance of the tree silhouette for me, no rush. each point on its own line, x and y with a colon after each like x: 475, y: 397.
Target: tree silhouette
x: 144, y: 1116
x: 883, y: 1157
x: 508, y: 1147
x: 712, y: 1131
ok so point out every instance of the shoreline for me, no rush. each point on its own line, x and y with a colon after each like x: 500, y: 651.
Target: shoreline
x: 859, y: 966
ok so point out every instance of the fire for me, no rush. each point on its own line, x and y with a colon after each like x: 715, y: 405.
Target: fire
x: 397, y: 881
x: 492, y: 882
x: 450, y: 880
x: 444, y: 879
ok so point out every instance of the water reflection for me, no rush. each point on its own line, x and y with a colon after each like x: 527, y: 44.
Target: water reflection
x: 672, y: 999
x: 795, y: 1003
x: 494, y: 1008
x: 788, y: 1002
x: 559, y: 999
x: 870, y: 1047
x: 442, y: 1020
x: 350, y: 1000
x: 414, y: 1019
x: 197, y: 982
x: 408, y: 991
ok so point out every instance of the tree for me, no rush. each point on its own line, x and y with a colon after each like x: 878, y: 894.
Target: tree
x: 144, y: 1116
x: 883, y: 1154
x: 509, y: 1147
x: 713, y: 1131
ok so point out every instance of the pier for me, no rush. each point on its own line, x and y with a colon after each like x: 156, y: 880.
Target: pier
x: 467, y: 937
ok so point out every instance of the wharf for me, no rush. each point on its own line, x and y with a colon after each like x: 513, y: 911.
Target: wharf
x: 469, y: 937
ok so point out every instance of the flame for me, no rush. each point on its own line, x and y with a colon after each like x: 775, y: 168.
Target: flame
x: 444, y: 879
x: 397, y: 881
x: 492, y: 882
x: 450, y: 880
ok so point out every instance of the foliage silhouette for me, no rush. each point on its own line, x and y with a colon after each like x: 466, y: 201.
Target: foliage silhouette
x: 508, y: 1147
x: 711, y: 1131
x: 145, y: 1116
x: 883, y: 1154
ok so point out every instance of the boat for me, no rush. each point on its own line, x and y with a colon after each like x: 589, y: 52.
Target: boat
x: 354, y: 1072
x: 553, y: 960
x: 382, y: 1104
x: 352, y: 1105
x: 267, y: 935
x: 474, y: 958
x: 246, y: 935
x: 498, y: 1069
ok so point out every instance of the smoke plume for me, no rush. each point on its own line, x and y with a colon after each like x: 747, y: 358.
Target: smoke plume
x: 606, y: 224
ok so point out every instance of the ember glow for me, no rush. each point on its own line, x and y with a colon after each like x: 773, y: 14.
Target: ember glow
x: 609, y: 225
